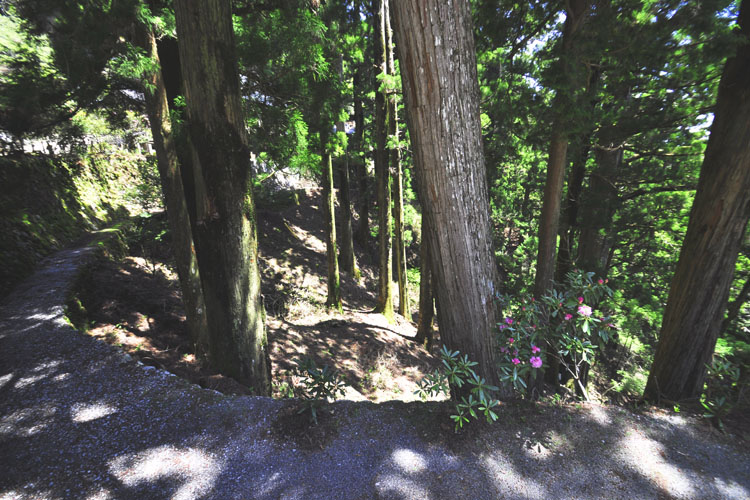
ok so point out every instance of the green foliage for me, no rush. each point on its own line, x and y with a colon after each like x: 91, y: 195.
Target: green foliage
x: 722, y: 390
x: 566, y: 318
x: 457, y: 371
x: 319, y: 384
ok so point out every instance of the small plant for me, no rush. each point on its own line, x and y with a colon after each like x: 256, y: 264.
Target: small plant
x: 457, y: 371
x: 721, y: 388
x: 319, y: 384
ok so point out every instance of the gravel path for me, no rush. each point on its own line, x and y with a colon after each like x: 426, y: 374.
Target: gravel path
x: 80, y: 420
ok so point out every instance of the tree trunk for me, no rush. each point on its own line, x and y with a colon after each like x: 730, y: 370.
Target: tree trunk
x: 600, y: 205
x: 382, y: 171
x: 700, y: 287
x: 225, y: 232
x: 734, y: 308
x: 550, y: 216
x: 333, y: 301
x: 558, y: 150
x: 362, y: 235
x: 569, y: 216
x: 399, y: 249
x: 426, y: 297
x: 348, y: 260
x: 439, y: 75
x: 186, y: 262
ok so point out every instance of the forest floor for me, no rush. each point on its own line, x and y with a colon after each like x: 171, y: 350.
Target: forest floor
x: 83, y: 419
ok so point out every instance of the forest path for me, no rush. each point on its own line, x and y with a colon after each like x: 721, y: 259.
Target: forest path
x: 80, y: 420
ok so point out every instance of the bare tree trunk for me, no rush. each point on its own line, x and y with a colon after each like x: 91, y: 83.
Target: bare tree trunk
x: 439, y: 74
x: 700, y: 287
x: 733, y: 310
x: 426, y: 296
x: 225, y: 232
x: 550, y: 216
x: 333, y: 301
x: 186, y: 261
x: 348, y: 260
x: 362, y: 234
x: 382, y: 171
x: 399, y: 249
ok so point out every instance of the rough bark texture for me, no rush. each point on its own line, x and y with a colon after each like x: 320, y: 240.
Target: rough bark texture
x: 225, y: 232
x: 718, y: 219
x: 399, y: 249
x: 426, y: 296
x: 186, y: 261
x: 333, y: 300
x: 439, y: 75
x: 382, y: 171
x: 569, y: 215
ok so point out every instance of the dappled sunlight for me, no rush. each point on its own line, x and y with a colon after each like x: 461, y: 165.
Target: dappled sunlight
x: 498, y: 469
x: 409, y: 461
x: 194, y: 470
x: 407, y: 488
x: 91, y: 411
x: 27, y: 421
x: 650, y: 459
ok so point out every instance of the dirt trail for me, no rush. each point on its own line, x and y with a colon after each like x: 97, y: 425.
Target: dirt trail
x: 78, y: 419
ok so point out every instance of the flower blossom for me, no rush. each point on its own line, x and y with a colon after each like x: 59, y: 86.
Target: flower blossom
x: 580, y: 300
x: 534, y: 349
x: 509, y: 321
x: 503, y: 349
x: 584, y: 311
x: 568, y: 317
x: 511, y: 340
x: 536, y: 361
x: 515, y: 361
x: 601, y: 281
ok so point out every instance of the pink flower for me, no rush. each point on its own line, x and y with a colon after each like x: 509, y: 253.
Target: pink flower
x: 601, y: 281
x: 503, y: 349
x: 501, y: 327
x: 580, y: 300
x: 584, y: 311
x: 533, y: 326
x: 568, y: 317
x: 523, y: 308
x: 534, y: 349
x: 515, y: 352
x: 532, y: 299
x: 515, y: 361
x: 509, y: 321
x: 511, y: 340
x: 536, y: 361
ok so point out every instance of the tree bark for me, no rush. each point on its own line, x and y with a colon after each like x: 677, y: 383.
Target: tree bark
x: 700, y: 287
x: 600, y: 204
x: 186, y: 262
x: 439, y: 75
x: 733, y: 310
x: 399, y: 249
x: 348, y: 260
x: 382, y: 171
x: 558, y: 149
x: 426, y: 296
x: 362, y: 234
x: 225, y: 231
x: 333, y: 300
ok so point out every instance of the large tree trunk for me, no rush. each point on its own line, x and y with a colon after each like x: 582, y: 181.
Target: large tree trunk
x: 700, y: 287
x: 426, y: 295
x: 382, y: 171
x: 333, y: 301
x: 733, y: 310
x: 186, y: 261
x: 399, y: 249
x: 225, y: 232
x: 439, y: 74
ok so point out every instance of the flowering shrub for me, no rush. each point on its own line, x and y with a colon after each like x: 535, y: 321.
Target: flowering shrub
x: 568, y: 321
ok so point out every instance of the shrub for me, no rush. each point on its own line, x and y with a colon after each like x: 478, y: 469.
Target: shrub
x: 319, y: 384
